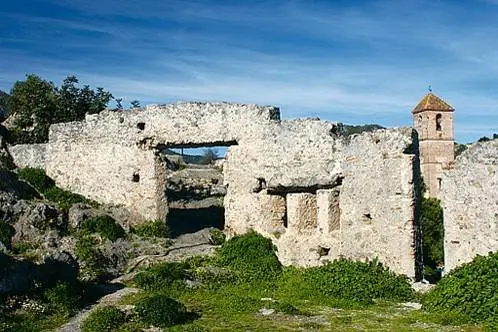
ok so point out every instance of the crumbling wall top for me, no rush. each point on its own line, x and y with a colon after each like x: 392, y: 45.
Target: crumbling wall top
x: 180, y: 124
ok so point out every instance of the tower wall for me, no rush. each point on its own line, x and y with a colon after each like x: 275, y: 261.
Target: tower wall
x: 436, y: 140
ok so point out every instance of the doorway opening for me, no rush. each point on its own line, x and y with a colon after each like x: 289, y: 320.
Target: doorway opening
x: 195, y: 188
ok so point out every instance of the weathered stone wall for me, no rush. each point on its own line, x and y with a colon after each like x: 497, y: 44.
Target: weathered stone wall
x: 29, y: 155
x: 319, y: 196
x: 436, y: 146
x: 425, y: 123
x: 469, y: 196
x: 110, y: 157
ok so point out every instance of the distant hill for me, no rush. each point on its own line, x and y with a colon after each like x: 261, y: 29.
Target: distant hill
x: 189, y: 159
x: 348, y: 130
x: 4, y: 98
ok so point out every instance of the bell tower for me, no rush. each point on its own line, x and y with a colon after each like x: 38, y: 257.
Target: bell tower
x: 433, y: 120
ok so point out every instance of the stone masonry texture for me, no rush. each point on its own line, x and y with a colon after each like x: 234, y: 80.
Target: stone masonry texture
x: 469, y: 196
x: 317, y: 195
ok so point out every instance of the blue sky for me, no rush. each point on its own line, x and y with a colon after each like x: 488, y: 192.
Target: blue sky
x: 349, y: 61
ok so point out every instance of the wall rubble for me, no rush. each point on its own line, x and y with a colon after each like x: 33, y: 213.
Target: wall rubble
x: 469, y: 196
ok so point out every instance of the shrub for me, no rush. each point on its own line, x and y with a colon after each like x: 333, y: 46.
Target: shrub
x: 161, y: 311
x: 6, y: 233
x: 432, y: 237
x: 104, y: 319
x: 23, y: 247
x: 105, y: 225
x: 6, y: 161
x: 352, y: 281
x: 37, y: 178
x: 63, y: 298
x: 251, y: 257
x: 217, y: 237
x: 469, y: 290
x: 153, y: 228
x: 86, y: 250
x: 65, y: 199
x: 165, y: 276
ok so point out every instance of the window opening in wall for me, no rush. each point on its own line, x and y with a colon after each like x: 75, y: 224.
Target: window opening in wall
x: 141, y: 125
x: 438, y: 122
x: 135, y: 177
x: 439, y: 181
x: 195, y: 188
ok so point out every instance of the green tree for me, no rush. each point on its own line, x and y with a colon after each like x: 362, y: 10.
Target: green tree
x: 73, y: 102
x: 4, y: 99
x: 33, y: 103
x: 36, y: 104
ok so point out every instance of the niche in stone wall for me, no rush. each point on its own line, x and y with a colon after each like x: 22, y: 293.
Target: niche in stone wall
x: 304, y: 210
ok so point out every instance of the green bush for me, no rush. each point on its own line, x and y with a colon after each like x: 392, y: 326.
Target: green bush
x: 7, y: 162
x: 469, y: 290
x: 153, y: 228
x: 163, y: 277
x: 217, y: 237
x: 106, y: 319
x: 161, y: 311
x: 6, y: 233
x: 63, y: 298
x: 352, y: 281
x: 105, y: 225
x: 23, y: 247
x: 86, y: 251
x: 65, y: 199
x: 37, y: 178
x: 251, y: 257
x: 432, y: 237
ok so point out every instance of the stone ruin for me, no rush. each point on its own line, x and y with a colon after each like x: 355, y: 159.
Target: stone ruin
x: 469, y: 196
x: 317, y: 194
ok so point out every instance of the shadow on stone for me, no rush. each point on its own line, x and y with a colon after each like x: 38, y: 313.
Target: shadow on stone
x: 183, y: 221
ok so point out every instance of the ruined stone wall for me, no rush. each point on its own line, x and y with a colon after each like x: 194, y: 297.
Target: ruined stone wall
x: 469, y: 196
x: 319, y: 196
x: 29, y: 155
x: 111, y: 157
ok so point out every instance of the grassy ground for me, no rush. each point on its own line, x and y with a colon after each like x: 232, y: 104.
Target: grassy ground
x: 237, y: 308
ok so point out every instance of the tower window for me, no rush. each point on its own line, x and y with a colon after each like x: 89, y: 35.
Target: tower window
x: 438, y: 122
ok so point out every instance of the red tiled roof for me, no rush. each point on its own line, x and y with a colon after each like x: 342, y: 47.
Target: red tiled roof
x: 433, y: 103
